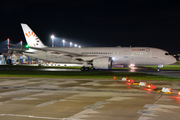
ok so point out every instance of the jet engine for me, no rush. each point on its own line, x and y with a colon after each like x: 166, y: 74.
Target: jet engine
x: 102, y: 63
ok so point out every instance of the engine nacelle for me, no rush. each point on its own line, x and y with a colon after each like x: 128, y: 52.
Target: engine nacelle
x: 102, y: 63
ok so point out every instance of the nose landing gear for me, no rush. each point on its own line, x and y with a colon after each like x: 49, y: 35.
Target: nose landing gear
x: 158, y: 69
x: 159, y: 66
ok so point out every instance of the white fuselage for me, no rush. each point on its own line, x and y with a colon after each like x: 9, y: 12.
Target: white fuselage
x: 120, y: 55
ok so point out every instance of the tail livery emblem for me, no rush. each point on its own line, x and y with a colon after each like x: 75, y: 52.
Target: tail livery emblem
x: 30, y: 34
x: 31, y: 38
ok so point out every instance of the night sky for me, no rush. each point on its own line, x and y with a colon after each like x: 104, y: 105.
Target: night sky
x: 94, y: 23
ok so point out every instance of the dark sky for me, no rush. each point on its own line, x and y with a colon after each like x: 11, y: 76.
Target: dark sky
x: 95, y: 23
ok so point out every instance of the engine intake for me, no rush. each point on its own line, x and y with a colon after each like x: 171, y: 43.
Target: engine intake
x: 102, y: 63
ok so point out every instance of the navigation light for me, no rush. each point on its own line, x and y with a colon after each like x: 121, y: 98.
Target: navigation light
x: 27, y: 46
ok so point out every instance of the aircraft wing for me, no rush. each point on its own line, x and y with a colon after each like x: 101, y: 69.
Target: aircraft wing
x: 77, y: 56
x: 71, y: 54
x: 16, y: 45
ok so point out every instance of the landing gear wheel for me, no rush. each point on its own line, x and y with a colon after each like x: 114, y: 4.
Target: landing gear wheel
x: 92, y: 68
x: 87, y: 69
x: 82, y: 69
x: 158, y: 70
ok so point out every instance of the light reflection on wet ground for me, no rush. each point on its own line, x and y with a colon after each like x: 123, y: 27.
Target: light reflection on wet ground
x: 47, y: 98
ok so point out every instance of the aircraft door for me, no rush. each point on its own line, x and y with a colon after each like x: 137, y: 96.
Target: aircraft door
x: 126, y: 59
x: 126, y: 53
x: 155, y: 54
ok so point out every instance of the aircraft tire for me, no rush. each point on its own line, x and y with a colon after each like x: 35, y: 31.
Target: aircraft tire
x: 92, y: 68
x: 158, y: 69
x: 82, y: 68
x: 87, y: 69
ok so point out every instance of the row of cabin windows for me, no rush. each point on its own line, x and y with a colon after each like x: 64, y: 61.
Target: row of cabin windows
x: 98, y: 53
x: 139, y: 53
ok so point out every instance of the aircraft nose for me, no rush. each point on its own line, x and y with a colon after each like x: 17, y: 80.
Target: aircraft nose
x: 172, y: 60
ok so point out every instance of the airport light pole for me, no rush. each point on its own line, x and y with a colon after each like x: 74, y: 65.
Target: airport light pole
x: 70, y: 44
x: 63, y: 42
x: 52, y: 37
x: 75, y: 45
x: 8, y: 44
x: 21, y: 44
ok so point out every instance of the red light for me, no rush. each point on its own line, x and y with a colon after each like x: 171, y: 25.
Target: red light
x: 151, y: 86
x: 114, y: 77
x: 178, y: 93
x: 130, y: 81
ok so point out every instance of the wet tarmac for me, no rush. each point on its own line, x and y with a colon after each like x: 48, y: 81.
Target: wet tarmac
x: 86, y: 99
x: 136, y: 69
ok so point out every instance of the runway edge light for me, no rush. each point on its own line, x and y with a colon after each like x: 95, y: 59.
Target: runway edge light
x: 130, y: 81
x: 178, y: 94
x: 142, y: 84
x: 124, y: 79
x: 165, y: 89
x: 151, y: 86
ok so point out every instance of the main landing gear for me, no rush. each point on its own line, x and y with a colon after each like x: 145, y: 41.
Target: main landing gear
x: 85, y: 69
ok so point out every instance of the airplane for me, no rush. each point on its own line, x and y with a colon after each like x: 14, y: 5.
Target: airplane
x: 96, y: 57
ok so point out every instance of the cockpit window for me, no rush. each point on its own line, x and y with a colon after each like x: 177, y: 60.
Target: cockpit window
x: 167, y: 53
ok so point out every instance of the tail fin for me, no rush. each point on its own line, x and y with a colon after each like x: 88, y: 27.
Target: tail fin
x: 31, y: 38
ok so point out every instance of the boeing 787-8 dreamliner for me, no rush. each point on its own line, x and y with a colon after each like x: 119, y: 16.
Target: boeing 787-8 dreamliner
x: 96, y: 57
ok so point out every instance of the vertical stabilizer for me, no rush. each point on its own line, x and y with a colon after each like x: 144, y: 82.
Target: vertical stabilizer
x: 31, y: 38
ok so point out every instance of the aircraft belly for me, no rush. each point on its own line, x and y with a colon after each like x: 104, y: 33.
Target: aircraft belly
x: 121, y: 60
x: 146, y: 60
x: 155, y: 61
x: 138, y: 60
